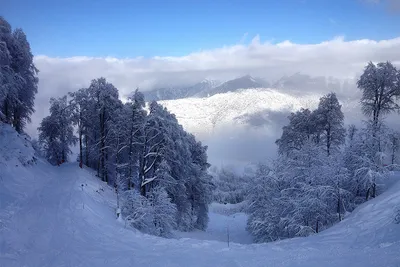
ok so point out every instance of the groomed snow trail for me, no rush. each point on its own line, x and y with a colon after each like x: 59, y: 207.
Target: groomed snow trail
x: 48, y: 219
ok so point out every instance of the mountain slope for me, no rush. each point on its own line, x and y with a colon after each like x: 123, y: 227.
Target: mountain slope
x: 179, y: 92
x: 55, y: 221
x: 204, y: 115
x: 245, y: 82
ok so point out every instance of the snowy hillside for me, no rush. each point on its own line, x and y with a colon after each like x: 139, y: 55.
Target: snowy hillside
x: 297, y: 84
x: 64, y: 216
x: 207, y: 115
x: 245, y: 82
x: 178, y: 92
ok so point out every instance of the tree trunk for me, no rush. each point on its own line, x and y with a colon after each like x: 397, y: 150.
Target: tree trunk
x: 86, y: 151
x: 143, y: 190
x: 367, y: 194
x: 130, y: 161
x: 102, y: 145
x: 17, y: 121
x: 374, y: 190
x: 80, y: 148
x: 393, y: 151
x: 80, y: 138
x: 328, y: 141
x: 6, y: 110
x: 105, y: 166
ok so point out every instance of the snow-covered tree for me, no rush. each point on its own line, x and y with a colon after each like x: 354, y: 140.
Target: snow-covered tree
x: 267, y: 206
x: 18, y: 77
x: 137, y: 211
x: 394, y: 146
x: 300, y: 195
x: 302, y: 127
x: 153, y: 214
x: 164, y: 212
x: 22, y: 63
x: 103, y: 106
x: 56, y: 131
x: 380, y: 85
x: 135, y: 122
x: 80, y: 106
x: 330, y: 120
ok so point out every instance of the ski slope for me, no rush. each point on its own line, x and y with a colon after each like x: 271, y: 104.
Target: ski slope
x: 47, y: 218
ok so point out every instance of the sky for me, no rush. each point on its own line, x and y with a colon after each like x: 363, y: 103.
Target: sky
x: 126, y: 29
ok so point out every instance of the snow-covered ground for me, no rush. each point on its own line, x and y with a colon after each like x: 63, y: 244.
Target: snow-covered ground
x: 227, y: 223
x: 47, y: 218
x: 209, y: 115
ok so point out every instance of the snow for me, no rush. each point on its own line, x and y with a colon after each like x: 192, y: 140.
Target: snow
x: 224, y: 219
x: 205, y: 115
x: 49, y: 219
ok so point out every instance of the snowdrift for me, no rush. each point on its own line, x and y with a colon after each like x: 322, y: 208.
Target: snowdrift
x: 64, y: 216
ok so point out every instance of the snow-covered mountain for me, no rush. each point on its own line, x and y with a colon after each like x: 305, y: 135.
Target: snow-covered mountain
x: 297, y: 84
x: 168, y: 93
x: 204, y: 88
x: 245, y: 82
x: 247, y: 107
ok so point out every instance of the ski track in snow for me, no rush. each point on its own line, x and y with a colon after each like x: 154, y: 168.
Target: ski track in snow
x: 52, y: 221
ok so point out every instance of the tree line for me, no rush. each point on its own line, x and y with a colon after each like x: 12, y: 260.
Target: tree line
x: 145, y: 154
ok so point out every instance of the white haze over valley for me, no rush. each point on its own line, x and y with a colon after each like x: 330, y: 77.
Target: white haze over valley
x: 238, y: 134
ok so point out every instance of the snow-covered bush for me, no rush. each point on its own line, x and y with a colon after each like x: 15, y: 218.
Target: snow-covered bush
x: 154, y: 214
x: 164, y: 212
x: 136, y: 210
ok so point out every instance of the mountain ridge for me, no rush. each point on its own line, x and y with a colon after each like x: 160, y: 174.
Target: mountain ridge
x: 297, y: 84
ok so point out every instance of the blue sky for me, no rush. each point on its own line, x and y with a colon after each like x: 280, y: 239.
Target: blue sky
x: 177, y: 27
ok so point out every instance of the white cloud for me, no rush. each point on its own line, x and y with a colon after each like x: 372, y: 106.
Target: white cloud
x: 337, y: 57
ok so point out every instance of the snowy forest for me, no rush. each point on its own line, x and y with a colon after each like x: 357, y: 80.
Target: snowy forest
x: 325, y: 169
x: 160, y: 172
